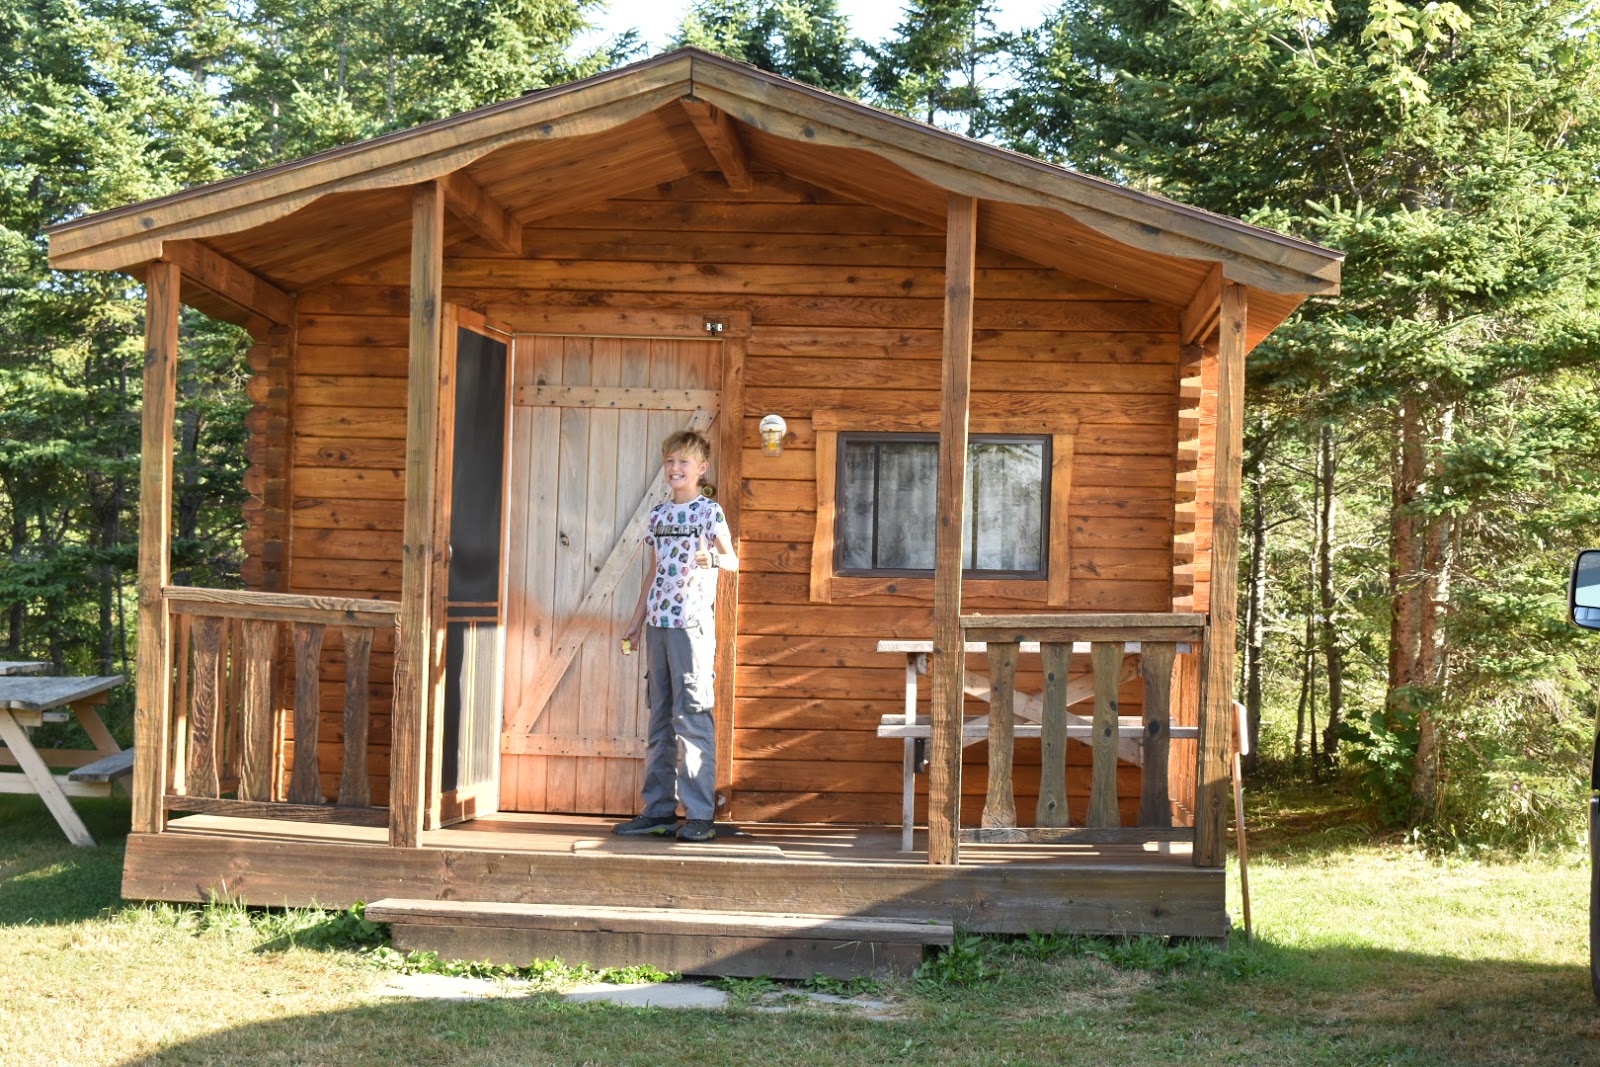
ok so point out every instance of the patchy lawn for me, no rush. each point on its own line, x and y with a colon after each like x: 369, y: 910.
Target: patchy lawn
x: 1366, y: 952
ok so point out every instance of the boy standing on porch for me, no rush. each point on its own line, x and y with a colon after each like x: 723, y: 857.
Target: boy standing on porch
x: 690, y: 537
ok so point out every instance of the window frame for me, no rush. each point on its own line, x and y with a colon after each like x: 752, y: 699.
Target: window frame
x: 877, y: 437
x: 825, y: 587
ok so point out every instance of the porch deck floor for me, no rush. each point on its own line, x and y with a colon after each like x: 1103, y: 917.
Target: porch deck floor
x: 779, y: 842
x: 780, y: 869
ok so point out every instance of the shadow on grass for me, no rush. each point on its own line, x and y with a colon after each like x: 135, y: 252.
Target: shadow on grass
x: 46, y: 879
x: 1374, y: 1008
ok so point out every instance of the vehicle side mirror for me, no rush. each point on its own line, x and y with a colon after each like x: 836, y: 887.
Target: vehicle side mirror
x: 1583, y: 594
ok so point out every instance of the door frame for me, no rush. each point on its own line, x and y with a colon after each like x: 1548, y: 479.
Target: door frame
x: 481, y: 798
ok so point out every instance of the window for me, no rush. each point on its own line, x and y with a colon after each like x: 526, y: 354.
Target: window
x: 887, y: 499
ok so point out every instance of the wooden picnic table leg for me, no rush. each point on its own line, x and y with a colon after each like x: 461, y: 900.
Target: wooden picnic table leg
x: 88, y: 713
x: 44, y: 783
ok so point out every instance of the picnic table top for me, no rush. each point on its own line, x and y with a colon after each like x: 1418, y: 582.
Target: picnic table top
x: 42, y: 694
x: 9, y: 668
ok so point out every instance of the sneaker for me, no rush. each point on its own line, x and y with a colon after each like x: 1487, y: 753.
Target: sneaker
x: 697, y: 830
x: 640, y: 825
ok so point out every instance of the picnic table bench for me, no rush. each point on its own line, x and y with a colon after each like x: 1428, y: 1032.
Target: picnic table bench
x: 1028, y: 707
x: 27, y: 702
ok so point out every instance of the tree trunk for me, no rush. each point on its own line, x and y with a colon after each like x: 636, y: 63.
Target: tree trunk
x: 1333, y: 654
x: 1405, y: 553
x: 189, y: 497
x: 1433, y: 601
x: 1255, y: 626
x: 16, y: 616
x: 1311, y: 690
x: 1300, y: 712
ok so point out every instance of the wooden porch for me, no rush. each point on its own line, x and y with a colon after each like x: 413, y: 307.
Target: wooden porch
x: 1116, y: 889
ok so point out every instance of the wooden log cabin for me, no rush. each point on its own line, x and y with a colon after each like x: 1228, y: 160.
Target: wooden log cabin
x: 1012, y: 396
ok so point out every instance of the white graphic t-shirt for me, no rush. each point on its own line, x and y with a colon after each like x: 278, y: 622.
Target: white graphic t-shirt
x: 681, y: 592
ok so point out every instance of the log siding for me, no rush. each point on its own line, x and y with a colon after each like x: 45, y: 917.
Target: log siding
x: 845, y: 302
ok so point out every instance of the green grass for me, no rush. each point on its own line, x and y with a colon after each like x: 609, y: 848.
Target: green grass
x: 1366, y: 952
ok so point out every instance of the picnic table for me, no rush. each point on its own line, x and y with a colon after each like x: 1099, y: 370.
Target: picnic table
x: 1028, y: 707
x: 27, y: 702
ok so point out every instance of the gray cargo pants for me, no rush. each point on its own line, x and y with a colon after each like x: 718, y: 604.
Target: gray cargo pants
x: 680, y: 762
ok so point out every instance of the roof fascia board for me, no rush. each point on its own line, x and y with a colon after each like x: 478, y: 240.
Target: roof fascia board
x: 1249, y: 254
x: 116, y: 239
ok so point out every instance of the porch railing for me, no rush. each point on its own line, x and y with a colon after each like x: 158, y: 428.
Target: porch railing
x: 1110, y: 641
x: 237, y: 658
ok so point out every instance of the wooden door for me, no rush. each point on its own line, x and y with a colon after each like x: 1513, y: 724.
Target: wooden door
x: 464, y: 727
x: 589, y: 416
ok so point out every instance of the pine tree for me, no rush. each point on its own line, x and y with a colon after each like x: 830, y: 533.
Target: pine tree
x: 939, y: 65
x: 1451, y: 151
x: 808, y: 40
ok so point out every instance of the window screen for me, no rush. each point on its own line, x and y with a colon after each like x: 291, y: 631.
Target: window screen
x: 888, y: 491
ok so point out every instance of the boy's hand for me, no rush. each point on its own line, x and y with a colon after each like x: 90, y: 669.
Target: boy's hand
x: 630, y: 639
x: 704, y: 557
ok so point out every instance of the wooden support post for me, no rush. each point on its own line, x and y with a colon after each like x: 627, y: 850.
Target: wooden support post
x: 1216, y: 684
x: 162, y: 281
x: 730, y: 474
x: 412, y: 656
x: 949, y: 646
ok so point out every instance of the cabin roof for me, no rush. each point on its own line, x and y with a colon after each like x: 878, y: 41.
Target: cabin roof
x: 510, y: 164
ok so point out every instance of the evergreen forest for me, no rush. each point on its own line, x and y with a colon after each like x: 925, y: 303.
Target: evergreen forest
x: 1422, y: 453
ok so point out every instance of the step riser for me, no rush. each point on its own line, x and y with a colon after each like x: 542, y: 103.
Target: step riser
x: 699, y: 953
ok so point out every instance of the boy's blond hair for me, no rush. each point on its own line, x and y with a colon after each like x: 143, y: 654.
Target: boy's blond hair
x: 687, y: 443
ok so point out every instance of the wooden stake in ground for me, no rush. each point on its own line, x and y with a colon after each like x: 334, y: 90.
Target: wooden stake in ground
x: 1241, y: 746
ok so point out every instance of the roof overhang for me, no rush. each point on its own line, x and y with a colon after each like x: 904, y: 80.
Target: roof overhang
x: 692, y: 106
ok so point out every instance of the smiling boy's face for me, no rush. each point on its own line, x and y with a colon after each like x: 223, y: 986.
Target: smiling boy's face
x: 683, y: 474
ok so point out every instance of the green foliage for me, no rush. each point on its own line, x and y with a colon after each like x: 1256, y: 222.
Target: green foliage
x: 965, y: 962
x: 859, y: 986
x: 1383, y: 748
x: 808, y: 40
x: 746, y: 991
x: 942, y: 64
x: 1450, y: 151
x: 551, y: 974
x: 308, y: 74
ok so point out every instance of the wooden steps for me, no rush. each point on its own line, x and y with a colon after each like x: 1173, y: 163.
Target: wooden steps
x: 732, y: 943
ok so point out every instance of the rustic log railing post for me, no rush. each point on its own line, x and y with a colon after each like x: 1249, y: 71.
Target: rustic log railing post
x: 415, y: 641
x: 1000, y: 805
x: 1155, y: 666
x: 1052, y: 810
x: 1216, y: 694
x: 304, y: 786
x: 1106, y: 662
x: 355, y: 791
x: 154, y: 687
x: 205, y: 718
x: 949, y: 647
